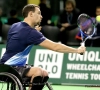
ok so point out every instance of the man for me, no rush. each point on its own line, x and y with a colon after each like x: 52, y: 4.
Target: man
x: 44, y: 8
x: 97, y: 13
x: 68, y: 19
x: 13, y: 17
x: 22, y: 36
x: 97, y: 35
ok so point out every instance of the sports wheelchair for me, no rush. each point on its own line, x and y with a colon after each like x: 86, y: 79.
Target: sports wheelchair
x: 10, y: 79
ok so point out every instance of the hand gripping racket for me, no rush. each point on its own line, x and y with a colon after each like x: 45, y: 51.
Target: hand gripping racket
x: 86, y: 26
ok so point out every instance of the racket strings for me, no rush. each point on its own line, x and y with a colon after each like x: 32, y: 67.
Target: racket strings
x: 86, y: 25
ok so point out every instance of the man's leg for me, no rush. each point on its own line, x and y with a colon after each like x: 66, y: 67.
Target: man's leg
x: 36, y: 80
x: 37, y: 75
x: 44, y: 79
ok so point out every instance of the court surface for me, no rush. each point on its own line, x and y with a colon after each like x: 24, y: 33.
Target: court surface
x: 60, y: 87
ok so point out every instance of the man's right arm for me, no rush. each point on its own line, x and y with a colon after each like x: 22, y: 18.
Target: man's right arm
x: 61, y: 47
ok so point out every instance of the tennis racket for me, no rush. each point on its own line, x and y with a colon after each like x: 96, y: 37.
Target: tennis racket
x: 86, y: 26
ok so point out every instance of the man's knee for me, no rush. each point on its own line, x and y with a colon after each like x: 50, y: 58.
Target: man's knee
x: 45, y: 73
x: 36, y: 71
x: 40, y: 72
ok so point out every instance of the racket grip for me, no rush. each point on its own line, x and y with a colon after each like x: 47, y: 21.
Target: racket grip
x: 82, y: 44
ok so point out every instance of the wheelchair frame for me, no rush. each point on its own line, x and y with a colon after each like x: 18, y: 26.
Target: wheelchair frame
x: 8, y: 71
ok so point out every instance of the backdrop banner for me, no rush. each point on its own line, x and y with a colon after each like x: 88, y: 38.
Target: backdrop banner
x: 68, y: 68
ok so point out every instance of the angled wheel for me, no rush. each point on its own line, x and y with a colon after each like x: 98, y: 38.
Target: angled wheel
x: 9, y: 81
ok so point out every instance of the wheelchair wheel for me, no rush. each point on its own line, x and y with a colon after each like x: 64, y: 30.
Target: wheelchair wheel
x: 9, y: 81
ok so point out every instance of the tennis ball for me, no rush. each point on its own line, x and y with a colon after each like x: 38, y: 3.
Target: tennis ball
x: 98, y: 18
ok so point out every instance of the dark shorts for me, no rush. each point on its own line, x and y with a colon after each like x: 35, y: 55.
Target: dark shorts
x: 22, y: 70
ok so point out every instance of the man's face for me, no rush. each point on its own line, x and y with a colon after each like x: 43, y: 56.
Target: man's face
x: 36, y: 16
x: 69, y: 7
x: 97, y: 11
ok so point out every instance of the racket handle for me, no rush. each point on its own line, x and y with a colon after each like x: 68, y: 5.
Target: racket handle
x: 82, y: 44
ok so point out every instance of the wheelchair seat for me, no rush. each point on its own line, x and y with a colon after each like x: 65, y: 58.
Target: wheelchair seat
x: 10, y: 76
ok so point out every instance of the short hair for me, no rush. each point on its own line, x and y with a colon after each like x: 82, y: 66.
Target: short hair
x: 71, y: 2
x: 28, y: 8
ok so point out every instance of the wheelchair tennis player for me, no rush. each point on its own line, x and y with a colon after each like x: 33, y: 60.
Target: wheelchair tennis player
x: 22, y: 36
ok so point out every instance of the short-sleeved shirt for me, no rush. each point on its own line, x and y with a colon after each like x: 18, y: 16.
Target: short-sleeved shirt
x: 20, y: 40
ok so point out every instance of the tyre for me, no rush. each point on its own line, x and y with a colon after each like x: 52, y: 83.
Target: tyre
x: 9, y: 81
